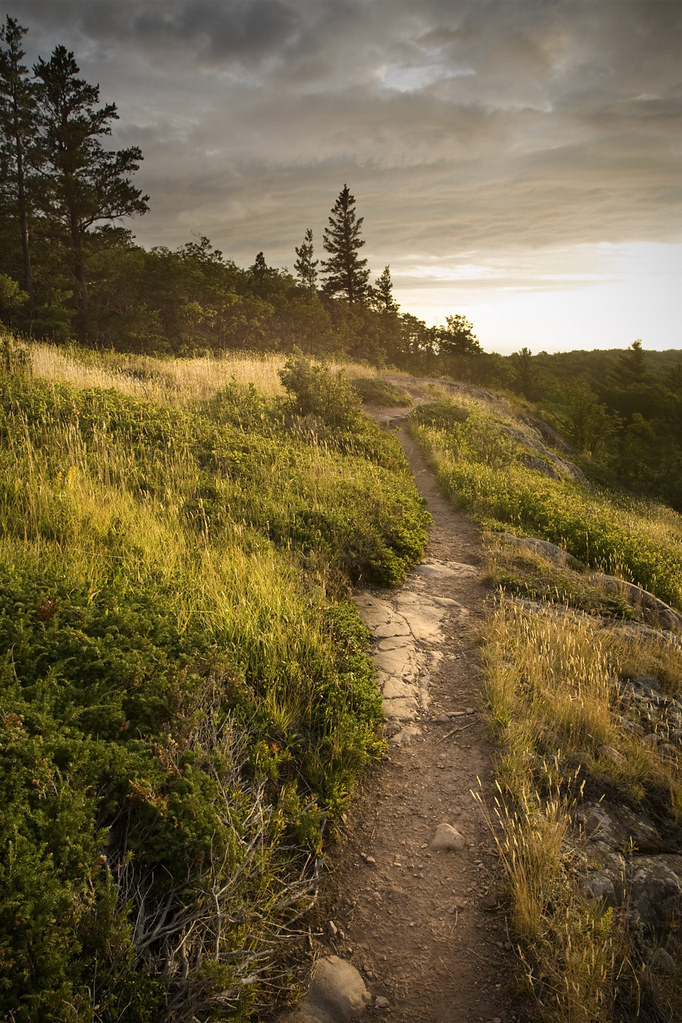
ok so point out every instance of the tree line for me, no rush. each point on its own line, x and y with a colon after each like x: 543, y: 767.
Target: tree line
x: 70, y: 269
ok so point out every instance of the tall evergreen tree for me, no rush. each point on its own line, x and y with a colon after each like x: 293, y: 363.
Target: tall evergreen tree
x: 631, y: 367
x: 305, y: 266
x: 346, y: 274
x: 382, y: 293
x: 83, y: 184
x: 17, y: 130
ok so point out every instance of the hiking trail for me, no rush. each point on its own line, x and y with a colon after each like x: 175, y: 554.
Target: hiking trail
x: 421, y: 923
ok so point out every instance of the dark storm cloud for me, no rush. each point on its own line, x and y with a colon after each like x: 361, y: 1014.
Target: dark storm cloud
x: 201, y: 30
x: 460, y: 127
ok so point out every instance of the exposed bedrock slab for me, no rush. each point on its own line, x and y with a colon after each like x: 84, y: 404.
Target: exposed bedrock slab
x: 407, y: 630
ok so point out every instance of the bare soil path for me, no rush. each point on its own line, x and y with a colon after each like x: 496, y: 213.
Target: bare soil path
x: 423, y: 925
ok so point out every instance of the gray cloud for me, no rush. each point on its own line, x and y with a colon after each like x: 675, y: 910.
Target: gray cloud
x: 461, y: 127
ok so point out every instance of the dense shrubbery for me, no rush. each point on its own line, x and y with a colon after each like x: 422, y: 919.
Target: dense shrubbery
x: 482, y: 466
x: 185, y: 699
x: 377, y: 391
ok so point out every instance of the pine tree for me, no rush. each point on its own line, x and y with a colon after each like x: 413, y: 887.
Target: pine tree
x: 83, y: 184
x: 346, y: 274
x: 631, y: 367
x: 382, y: 293
x: 305, y: 266
x: 17, y: 129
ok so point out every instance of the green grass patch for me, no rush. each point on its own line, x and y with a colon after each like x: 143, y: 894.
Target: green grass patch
x: 376, y: 391
x: 482, y: 468
x: 186, y: 700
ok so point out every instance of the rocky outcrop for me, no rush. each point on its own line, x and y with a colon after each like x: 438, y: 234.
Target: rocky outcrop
x: 542, y: 459
x: 657, y: 611
x: 406, y: 627
x: 632, y: 858
x: 555, y: 555
x: 638, y: 598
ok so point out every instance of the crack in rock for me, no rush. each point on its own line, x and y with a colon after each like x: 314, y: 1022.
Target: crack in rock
x: 407, y: 629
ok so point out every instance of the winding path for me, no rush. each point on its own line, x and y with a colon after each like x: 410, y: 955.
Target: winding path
x: 422, y: 924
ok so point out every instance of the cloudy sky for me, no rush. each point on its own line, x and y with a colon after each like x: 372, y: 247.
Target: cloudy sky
x: 516, y: 161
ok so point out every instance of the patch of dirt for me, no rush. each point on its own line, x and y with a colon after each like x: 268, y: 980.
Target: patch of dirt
x: 424, y: 926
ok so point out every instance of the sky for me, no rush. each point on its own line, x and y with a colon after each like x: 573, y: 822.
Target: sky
x: 517, y: 162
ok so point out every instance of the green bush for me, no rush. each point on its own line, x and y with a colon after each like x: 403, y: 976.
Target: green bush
x: 440, y: 414
x: 481, y: 466
x: 316, y: 391
x: 375, y: 391
x: 186, y: 699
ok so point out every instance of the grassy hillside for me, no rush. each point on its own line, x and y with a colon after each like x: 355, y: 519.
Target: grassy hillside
x: 584, y: 687
x: 185, y: 700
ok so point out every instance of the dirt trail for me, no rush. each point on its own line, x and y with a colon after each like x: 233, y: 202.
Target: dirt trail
x: 423, y: 926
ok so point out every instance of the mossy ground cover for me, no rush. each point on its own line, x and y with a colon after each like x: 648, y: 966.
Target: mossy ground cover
x: 185, y: 697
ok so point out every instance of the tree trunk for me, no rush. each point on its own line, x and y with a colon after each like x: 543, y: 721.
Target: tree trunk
x: 23, y: 222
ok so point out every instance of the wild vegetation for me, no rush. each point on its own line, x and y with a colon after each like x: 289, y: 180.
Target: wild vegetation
x: 584, y: 687
x: 185, y: 699
x: 185, y: 696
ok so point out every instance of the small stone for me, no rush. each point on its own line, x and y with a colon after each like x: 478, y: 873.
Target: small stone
x: 471, y: 710
x: 337, y: 989
x: 447, y: 837
x: 664, y: 961
x: 332, y: 928
x: 609, y: 753
x: 381, y: 1002
x: 369, y: 859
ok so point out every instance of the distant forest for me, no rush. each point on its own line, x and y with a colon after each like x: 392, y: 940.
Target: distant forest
x: 69, y: 271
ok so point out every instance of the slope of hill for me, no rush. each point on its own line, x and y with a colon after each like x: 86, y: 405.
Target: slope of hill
x: 185, y: 697
x: 584, y: 684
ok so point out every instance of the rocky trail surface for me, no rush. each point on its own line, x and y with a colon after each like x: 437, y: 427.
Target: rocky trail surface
x: 410, y: 929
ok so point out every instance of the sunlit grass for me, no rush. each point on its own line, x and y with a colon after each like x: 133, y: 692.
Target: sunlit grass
x: 175, y: 550
x: 557, y: 660
x: 177, y: 382
x: 557, y: 712
x: 483, y: 470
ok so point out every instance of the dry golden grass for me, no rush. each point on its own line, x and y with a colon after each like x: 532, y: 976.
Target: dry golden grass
x: 557, y: 708
x: 178, y: 381
x: 175, y: 382
x: 569, y: 948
